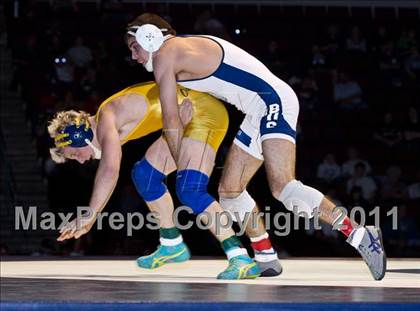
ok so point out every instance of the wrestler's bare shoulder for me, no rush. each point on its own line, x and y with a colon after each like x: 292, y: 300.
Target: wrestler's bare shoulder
x: 127, y: 110
x: 195, y: 56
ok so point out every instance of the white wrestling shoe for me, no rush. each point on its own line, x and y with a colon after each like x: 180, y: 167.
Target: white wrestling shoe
x: 368, y: 241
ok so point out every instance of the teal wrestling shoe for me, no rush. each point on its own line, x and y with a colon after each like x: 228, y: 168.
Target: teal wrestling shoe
x: 163, y: 255
x: 240, y: 267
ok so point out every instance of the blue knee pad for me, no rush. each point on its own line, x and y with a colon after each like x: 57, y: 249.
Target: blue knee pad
x: 148, y: 180
x: 191, y: 188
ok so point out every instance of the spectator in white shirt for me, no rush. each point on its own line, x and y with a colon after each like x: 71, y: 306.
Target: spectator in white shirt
x: 79, y: 54
x: 353, y: 159
x: 348, y: 93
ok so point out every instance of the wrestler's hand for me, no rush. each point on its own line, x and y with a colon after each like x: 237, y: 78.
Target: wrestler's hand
x: 77, y: 227
x: 186, y: 111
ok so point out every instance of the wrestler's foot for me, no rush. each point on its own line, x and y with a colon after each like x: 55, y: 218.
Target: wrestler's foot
x: 268, y: 263
x: 240, y: 267
x: 368, y: 241
x: 164, y: 254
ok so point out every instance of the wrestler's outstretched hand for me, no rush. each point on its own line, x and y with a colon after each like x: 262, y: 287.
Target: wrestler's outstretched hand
x: 77, y: 227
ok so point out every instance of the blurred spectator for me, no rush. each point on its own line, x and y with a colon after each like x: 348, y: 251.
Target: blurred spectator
x: 87, y: 82
x: 403, y: 235
x: 407, y: 40
x: 101, y: 52
x: 347, y: 93
x: 79, y: 54
x: 53, y: 48
x: 332, y: 43
x: 329, y: 170
x: 388, y: 57
x: 390, y: 65
x: 356, y: 198
x: 272, y: 56
x: 114, y: 5
x: 308, y: 92
x: 380, y: 38
x: 355, y: 42
x: 412, y: 64
x: 207, y: 24
x: 65, y: 8
x: 388, y: 133
x: 62, y: 75
x: 412, y: 130
x: 413, y: 190
x: 348, y: 168
x: 392, y: 187
x: 24, y: 60
x: 318, y: 57
x: 360, y: 179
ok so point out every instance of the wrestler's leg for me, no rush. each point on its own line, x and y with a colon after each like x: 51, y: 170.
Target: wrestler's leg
x: 195, y: 165
x: 239, y: 168
x: 149, y: 176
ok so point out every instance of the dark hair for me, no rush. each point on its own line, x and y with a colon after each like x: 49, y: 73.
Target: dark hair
x: 150, y: 18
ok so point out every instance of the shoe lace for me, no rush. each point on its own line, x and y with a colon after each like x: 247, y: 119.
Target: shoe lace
x: 375, y: 245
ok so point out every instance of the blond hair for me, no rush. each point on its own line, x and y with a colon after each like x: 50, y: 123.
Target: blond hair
x: 57, y: 125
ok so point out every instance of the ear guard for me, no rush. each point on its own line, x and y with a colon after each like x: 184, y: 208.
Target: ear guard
x: 148, y: 36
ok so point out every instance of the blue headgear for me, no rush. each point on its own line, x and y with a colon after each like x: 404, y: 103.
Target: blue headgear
x: 75, y: 135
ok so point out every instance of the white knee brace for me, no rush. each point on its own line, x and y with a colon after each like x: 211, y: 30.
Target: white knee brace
x: 299, y: 198
x: 239, y: 206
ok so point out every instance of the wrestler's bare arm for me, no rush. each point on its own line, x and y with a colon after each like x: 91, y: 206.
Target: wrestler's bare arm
x: 165, y: 76
x: 109, y: 166
x: 105, y: 179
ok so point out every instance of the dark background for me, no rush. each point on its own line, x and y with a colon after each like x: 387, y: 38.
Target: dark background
x: 355, y: 68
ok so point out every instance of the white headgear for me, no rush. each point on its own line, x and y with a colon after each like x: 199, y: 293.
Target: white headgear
x: 150, y: 39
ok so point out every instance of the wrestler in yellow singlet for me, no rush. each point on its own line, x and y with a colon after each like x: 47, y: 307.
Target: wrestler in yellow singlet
x: 209, y: 123
x: 134, y: 113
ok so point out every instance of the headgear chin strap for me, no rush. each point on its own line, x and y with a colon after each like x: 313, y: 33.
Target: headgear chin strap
x: 77, y: 136
x: 150, y: 39
x: 96, y: 151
